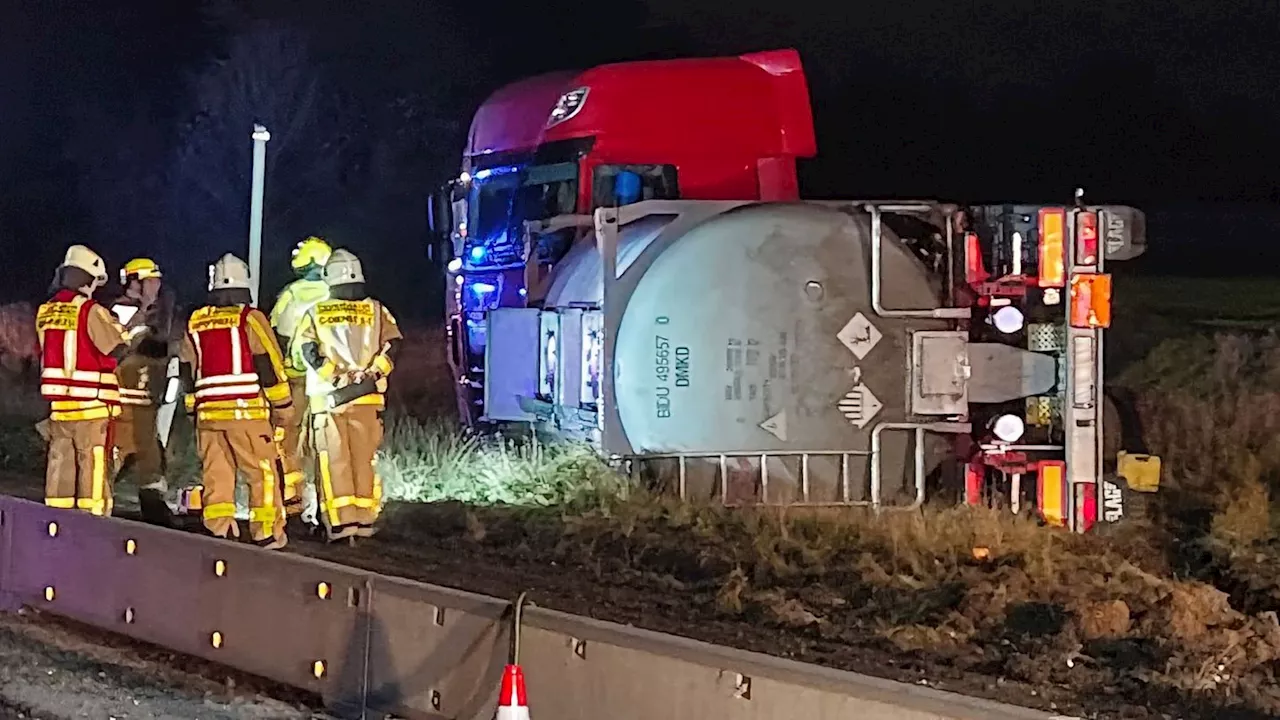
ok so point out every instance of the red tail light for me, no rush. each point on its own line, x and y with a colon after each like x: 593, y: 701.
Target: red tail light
x: 974, y: 473
x: 1052, y: 272
x: 975, y: 271
x: 1087, y: 239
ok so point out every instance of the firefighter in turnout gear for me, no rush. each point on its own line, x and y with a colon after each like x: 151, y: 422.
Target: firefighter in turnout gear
x: 80, y: 346
x: 295, y: 300
x: 142, y: 376
x: 232, y: 362
x: 347, y: 342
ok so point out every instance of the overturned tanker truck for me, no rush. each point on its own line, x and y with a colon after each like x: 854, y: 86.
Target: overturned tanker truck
x: 856, y: 352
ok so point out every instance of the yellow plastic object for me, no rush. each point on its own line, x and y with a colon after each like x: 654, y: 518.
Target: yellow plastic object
x: 1141, y: 472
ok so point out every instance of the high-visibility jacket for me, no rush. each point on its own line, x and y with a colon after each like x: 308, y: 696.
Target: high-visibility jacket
x: 77, y: 376
x: 229, y: 379
x: 296, y: 299
x: 343, y: 336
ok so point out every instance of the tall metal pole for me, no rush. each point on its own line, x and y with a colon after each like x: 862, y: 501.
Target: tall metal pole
x: 260, y: 137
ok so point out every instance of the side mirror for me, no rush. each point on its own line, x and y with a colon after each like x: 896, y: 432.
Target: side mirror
x: 440, y: 212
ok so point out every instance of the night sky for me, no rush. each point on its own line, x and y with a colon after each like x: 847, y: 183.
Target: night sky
x: 119, y: 126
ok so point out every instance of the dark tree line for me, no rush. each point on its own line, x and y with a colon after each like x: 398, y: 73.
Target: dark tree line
x: 126, y: 123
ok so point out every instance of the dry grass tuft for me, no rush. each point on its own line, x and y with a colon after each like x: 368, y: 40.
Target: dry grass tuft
x: 18, y: 343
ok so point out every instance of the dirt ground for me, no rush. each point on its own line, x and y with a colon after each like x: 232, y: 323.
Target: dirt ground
x: 54, y: 670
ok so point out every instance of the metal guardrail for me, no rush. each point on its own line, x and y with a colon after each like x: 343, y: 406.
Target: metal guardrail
x: 369, y: 642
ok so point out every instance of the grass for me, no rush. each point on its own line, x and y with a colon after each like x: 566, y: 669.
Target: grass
x: 434, y: 462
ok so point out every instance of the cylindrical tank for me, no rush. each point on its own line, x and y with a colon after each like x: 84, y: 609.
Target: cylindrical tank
x: 754, y: 332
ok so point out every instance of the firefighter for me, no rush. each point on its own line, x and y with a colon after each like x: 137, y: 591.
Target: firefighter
x: 347, y: 343
x: 232, y: 363
x: 142, y: 376
x: 80, y: 346
x: 295, y: 300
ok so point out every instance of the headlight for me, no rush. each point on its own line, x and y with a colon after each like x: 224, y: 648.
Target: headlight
x: 567, y: 106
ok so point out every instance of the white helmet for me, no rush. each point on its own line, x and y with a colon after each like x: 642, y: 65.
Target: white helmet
x: 79, y: 256
x: 229, y: 273
x: 343, y: 268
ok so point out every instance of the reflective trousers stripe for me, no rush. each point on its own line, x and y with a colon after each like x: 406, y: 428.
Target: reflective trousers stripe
x: 219, y: 510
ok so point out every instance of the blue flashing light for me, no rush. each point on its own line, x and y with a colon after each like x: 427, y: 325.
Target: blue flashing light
x: 524, y: 293
x: 485, y: 174
x: 627, y: 187
x: 478, y: 253
x: 483, y: 288
x: 455, y: 265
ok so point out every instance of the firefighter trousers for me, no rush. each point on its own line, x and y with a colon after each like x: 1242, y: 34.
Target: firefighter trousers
x: 246, y: 446
x: 350, y: 490
x: 136, y: 438
x: 290, y: 448
x: 78, y: 474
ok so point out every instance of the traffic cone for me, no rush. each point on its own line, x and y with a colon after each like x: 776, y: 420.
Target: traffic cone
x: 512, y: 703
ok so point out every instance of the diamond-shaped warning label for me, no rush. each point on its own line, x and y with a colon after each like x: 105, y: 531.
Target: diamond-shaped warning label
x: 859, y: 335
x: 859, y: 406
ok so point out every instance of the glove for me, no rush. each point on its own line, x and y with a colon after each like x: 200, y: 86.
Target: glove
x: 282, y: 417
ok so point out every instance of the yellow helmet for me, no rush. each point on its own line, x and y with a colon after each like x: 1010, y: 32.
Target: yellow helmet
x: 141, y: 268
x: 313, y: 250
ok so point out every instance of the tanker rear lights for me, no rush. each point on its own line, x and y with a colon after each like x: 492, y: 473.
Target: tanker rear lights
x: 1051, y: 492
x: 1087, y: 238
x: 1008, y: 319
x: 1008, y: 428
x: 975, y: 272
x: 1052, y: 262
x: 1090, y: 301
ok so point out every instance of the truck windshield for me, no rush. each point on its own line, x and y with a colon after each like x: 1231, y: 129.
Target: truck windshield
x: 501, y: 201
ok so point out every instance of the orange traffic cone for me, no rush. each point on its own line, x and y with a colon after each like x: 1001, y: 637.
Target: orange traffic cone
x: 512, y: 704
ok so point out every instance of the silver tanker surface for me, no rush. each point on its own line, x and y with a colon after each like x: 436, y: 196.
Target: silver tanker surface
x: 754, y: 332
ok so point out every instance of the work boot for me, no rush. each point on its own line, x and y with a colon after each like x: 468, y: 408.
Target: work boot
x: 296, y: 525
x: 273, y: 543
x: 154, y: 509
x: 342, y: 532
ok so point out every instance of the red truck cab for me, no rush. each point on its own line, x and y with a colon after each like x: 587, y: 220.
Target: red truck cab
x: 554, y: 146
